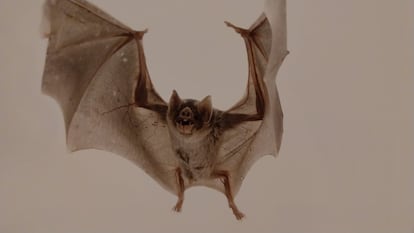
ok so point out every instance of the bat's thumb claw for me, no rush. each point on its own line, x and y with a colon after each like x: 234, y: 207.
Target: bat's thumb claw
x: 242, y: 31
x: 228, y: 24
x: 140, y: 34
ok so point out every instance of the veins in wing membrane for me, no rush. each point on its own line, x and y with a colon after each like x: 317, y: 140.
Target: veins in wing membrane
x: 236, y: 149
x: 109, y: 54
x: 258, y: 45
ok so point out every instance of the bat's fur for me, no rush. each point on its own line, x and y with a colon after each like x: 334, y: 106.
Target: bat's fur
x: 195, y: 148
x: 195, y: 128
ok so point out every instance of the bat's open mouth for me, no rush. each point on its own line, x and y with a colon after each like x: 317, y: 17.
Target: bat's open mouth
x: 185, y: 126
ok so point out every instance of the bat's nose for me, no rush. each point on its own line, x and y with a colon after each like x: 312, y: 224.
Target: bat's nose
x: 186, y: 113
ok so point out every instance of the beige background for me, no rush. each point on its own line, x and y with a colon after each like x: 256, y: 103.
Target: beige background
x: 347, y: 159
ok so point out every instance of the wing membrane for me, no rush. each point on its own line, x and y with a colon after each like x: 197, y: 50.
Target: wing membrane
x: 93, y: 66
x: 266, y: 48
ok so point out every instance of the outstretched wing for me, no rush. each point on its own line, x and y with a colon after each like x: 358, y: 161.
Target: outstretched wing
x: 261, y: 135
x: 94, y: 66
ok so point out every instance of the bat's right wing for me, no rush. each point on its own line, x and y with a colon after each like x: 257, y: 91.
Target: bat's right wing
x: 95, y: 69
x: 260, y: 112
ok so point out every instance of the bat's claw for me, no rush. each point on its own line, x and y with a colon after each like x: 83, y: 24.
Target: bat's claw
x: 177, y: 208
x: 242, y: 31
x: 239, y: 215
x: 140, y: 34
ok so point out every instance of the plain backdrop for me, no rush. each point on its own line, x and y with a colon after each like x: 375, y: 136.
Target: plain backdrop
x: 347, y: 90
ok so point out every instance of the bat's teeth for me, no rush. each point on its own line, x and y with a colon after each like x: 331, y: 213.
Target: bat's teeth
x: 185, y: 128
x: 186, y: 122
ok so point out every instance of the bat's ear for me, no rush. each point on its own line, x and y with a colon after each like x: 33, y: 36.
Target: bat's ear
x: 205, y: 108
x: 175, y: 100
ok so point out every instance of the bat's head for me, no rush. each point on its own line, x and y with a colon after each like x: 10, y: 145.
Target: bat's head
x: 189, y: 116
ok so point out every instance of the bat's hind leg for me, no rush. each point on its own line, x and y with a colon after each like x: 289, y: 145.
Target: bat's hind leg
x: 180, y: 193
x: 224, y: 176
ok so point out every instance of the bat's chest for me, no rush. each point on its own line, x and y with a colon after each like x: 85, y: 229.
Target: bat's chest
x: 196, y: 159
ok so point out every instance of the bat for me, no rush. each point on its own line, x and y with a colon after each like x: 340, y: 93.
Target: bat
x: 96, y: 70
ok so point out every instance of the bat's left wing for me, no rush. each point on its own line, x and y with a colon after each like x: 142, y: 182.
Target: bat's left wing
x: 95, y: 69
x: 260, y: 114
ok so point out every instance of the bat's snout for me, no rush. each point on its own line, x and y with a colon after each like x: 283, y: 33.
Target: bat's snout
x: 186, y: 113
x: 185, y: 121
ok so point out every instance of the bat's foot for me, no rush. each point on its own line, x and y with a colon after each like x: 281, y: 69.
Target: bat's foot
x: 178, y: 206
x: 224, y: 178
x: 239, y: 215
x: 180, y: 194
